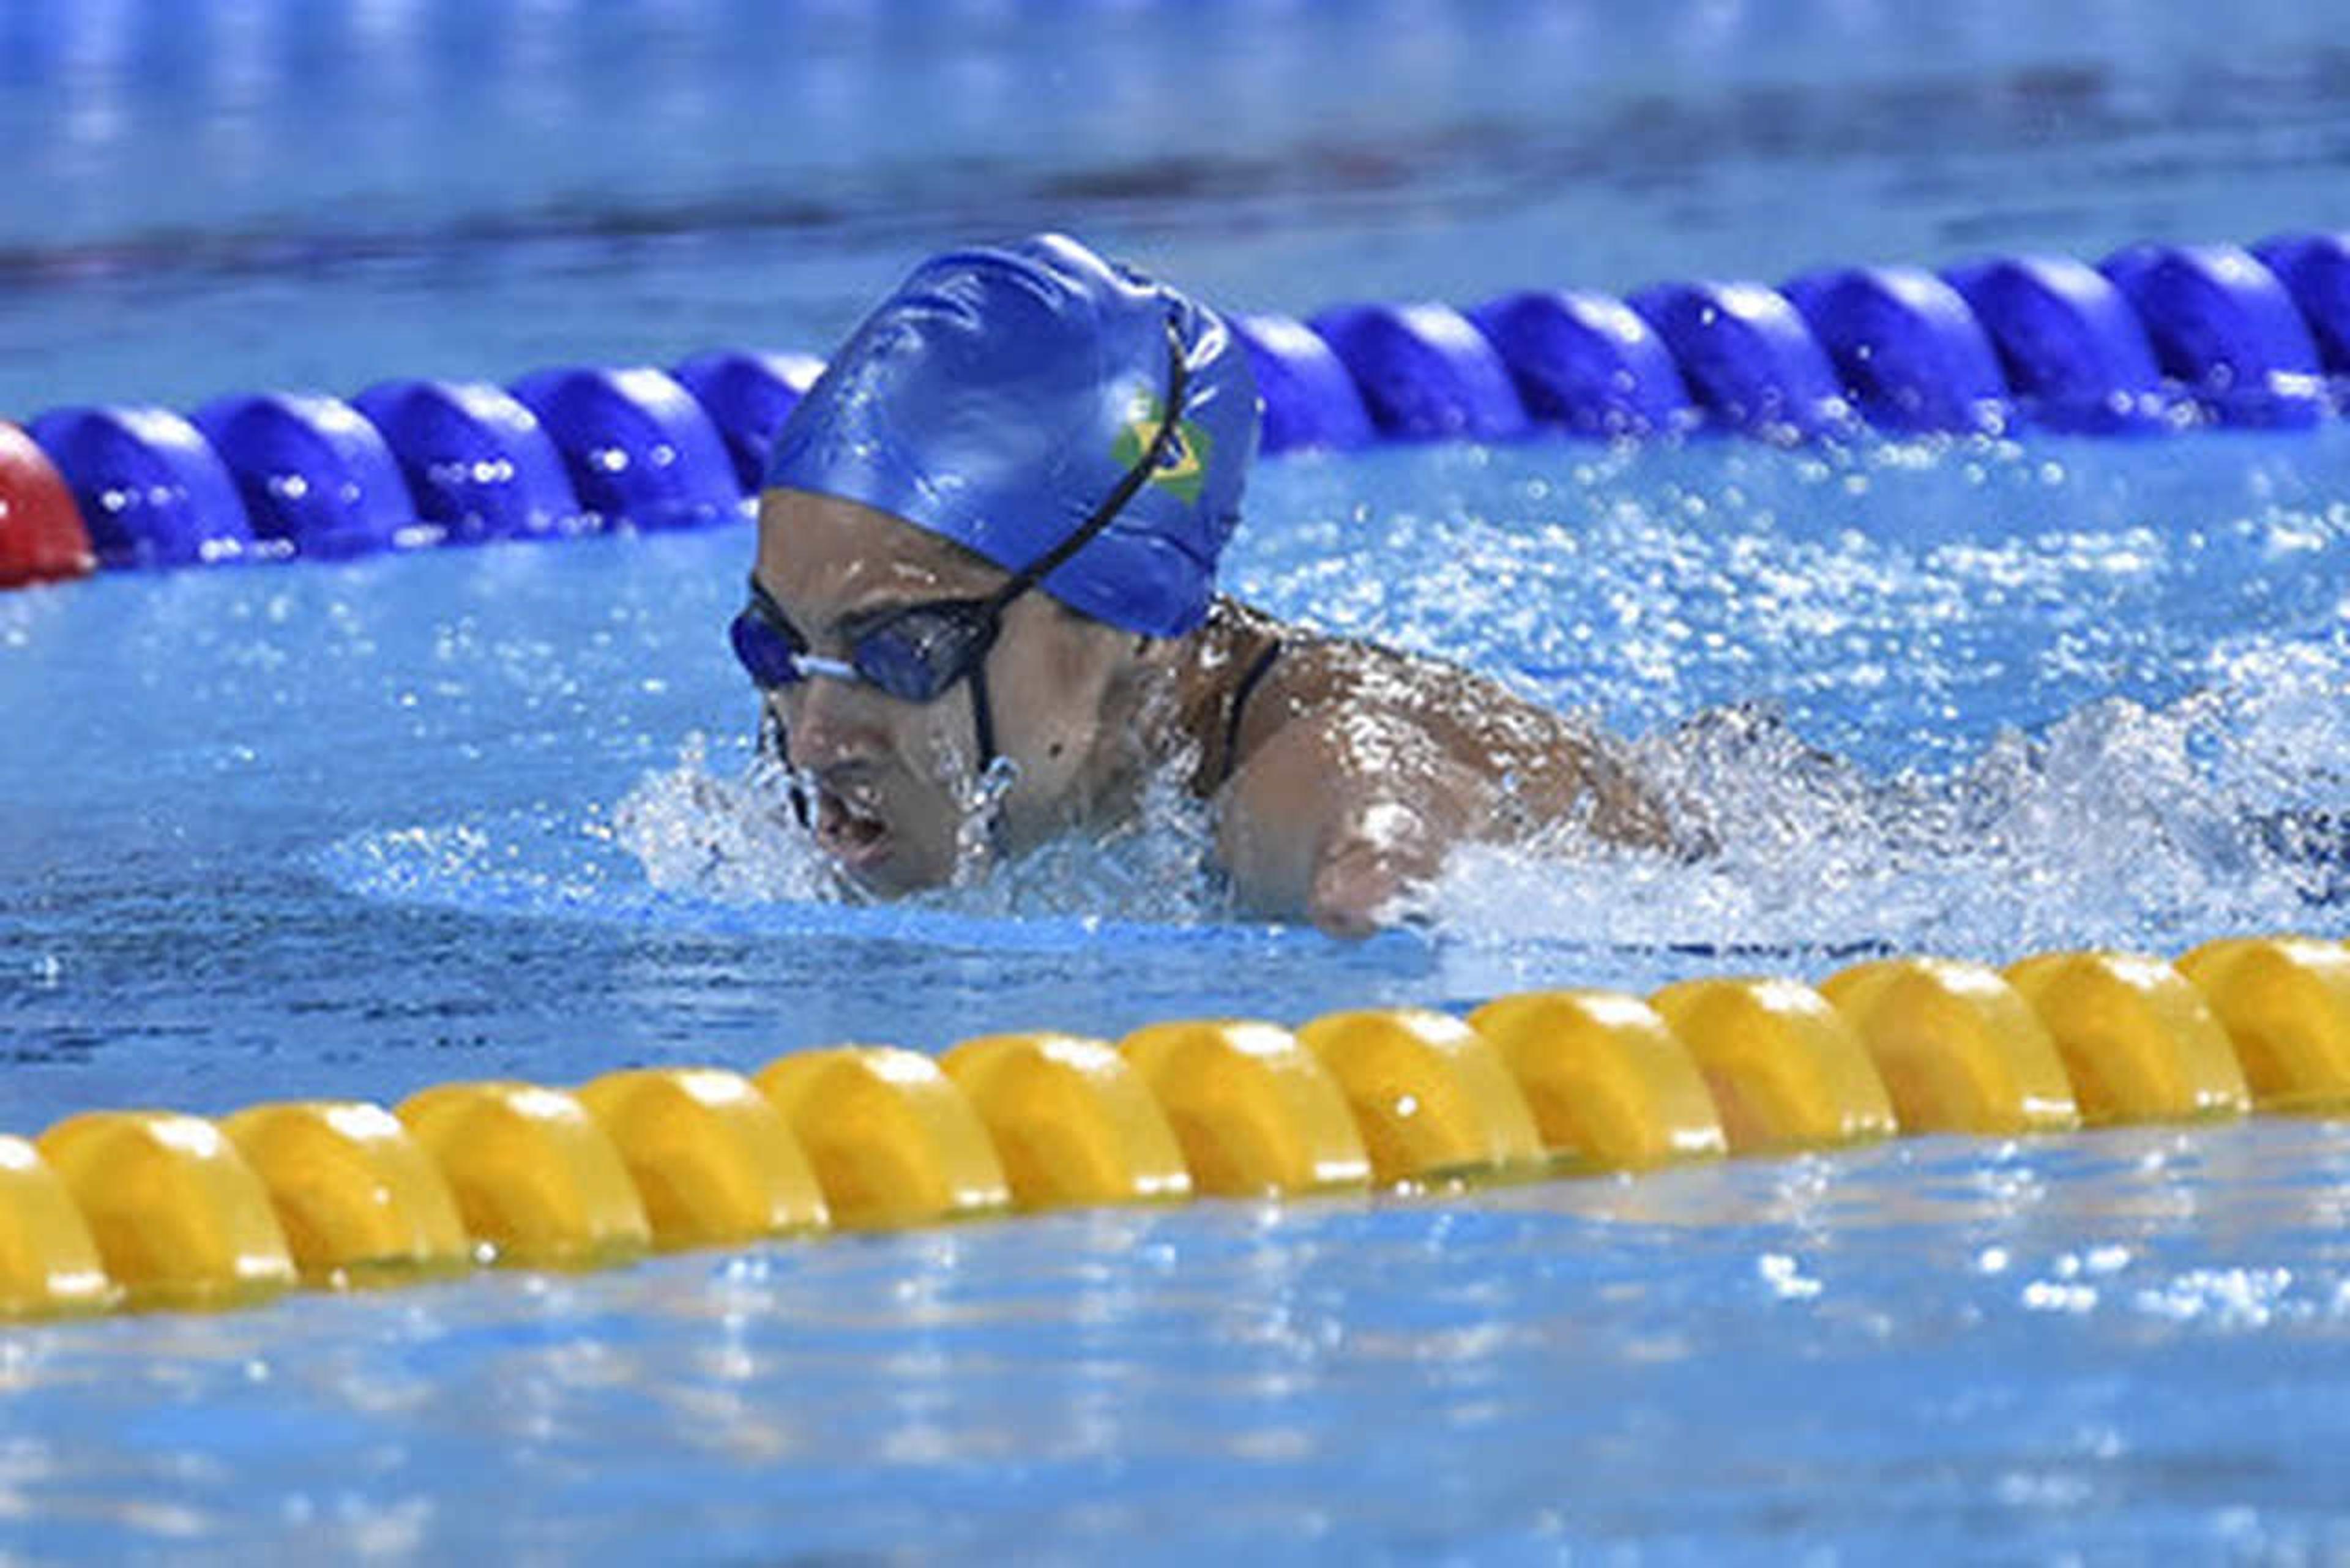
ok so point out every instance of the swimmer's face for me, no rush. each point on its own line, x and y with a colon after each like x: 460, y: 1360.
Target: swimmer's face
x: 890, y: 777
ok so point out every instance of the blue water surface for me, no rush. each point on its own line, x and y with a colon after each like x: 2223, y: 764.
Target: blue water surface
x: 356, y: 828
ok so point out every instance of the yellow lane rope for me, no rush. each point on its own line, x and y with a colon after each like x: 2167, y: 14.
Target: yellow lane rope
x: 140, y: 1210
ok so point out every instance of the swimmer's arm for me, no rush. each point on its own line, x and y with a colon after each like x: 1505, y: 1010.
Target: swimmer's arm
x: 1334, y: 816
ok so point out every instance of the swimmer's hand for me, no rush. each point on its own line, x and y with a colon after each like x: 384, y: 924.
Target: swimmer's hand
x: 1359, y: 887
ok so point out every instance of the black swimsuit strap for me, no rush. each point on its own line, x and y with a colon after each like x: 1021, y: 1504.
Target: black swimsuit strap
x: 1240, y: 694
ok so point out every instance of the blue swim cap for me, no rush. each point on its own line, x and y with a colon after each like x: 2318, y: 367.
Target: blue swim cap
x: 998, y: 396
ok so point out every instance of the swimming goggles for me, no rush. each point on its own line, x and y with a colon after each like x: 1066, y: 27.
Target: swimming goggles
x: 916, y: 652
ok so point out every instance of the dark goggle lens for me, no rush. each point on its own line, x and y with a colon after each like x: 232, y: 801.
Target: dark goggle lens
x: 916, y: 654
x: 766, y: 654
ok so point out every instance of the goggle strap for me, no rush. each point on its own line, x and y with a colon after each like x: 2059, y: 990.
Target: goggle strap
x: 983, y: 721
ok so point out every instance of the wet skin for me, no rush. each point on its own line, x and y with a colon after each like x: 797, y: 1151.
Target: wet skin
x: 1354, y: 771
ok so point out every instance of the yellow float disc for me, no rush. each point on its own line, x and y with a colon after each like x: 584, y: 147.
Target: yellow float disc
x: 1786, y: 1071
x: 713, y: 1161
x: 180, y: 1219
x: 1959, y: 1048
x: 2285, y: 1004
x: 892, y: 1140
x: 359, y: 1199
x: 1610, y: 1086
x: 535, y: 1179
x: 1072, y: 1122
x: 2136, y: 1039
x: 1431, y: 1096
x: 49, y: 1265
x: 1255, y: 1111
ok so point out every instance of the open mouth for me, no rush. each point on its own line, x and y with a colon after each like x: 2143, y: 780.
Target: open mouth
x: 849, y: 830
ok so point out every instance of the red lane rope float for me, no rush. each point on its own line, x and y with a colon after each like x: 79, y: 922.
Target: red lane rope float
x: 41, y: 534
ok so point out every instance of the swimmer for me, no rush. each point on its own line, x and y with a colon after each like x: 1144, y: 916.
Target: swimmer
x: 989, y: 535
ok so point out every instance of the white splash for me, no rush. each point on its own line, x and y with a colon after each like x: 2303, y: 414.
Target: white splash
x: 733, y: 841
x: 982, y: 809
x: 738, y: 841
x: 2119, y: 825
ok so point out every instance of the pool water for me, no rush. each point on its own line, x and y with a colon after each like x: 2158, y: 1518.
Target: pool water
x: 352, y: 829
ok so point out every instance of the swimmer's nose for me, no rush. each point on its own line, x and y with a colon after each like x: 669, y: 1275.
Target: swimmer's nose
x: 826, y: 722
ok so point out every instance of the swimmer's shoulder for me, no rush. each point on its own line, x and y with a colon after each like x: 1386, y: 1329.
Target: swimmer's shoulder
x: 1292, y: 682
x: 1260, y: 675
x: 1281, y: 673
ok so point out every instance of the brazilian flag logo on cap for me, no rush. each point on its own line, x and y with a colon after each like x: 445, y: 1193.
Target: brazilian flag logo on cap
x: 1182, y: 466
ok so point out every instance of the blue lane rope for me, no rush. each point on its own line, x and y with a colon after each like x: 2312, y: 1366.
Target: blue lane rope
x: 2152, y: 339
